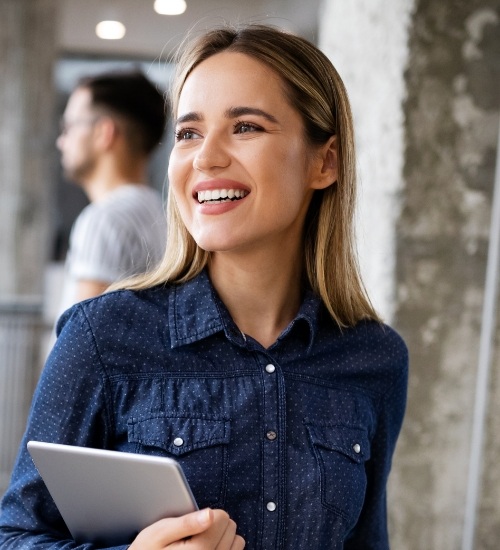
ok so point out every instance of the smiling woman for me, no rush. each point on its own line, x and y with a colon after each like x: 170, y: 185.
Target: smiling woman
x: 251, y: 354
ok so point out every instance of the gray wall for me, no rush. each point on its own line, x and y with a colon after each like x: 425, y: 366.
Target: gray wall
x: 432, y: 193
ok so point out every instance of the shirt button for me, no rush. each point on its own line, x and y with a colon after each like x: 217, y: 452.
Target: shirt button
x: 356, y: 448
x: 271, y: 506
x: 270, y: 368
x: 178, y: 441
x: 271, y: 435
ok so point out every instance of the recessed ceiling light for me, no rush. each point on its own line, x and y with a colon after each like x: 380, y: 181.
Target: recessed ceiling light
x: 170, y: 7
x: 110, y: 30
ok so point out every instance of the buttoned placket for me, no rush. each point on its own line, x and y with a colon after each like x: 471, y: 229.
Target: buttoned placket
x: 273, y: 445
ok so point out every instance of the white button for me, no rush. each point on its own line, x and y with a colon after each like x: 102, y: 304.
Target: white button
x: 178, y: 441
x: 270, y: 368
x: 271, y: 506
x: 356, y: 448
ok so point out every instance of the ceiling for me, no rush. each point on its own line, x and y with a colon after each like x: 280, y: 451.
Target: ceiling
x: 152, y: 36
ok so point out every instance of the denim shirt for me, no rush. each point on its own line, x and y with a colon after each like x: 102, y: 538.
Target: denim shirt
x: 295, y: 441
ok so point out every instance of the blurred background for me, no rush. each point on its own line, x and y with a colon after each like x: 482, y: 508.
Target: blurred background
x: 424, y: 82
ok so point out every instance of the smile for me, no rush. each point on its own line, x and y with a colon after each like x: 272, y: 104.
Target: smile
x: 221, y: 195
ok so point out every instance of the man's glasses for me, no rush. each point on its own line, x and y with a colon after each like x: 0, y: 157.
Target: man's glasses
x: 66, y: 125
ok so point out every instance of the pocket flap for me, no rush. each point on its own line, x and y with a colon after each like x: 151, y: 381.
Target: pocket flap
x: 178, y: 434
x: 352, y: 442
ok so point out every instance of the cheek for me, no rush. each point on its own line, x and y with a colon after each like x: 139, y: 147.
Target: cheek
x: 178, y: 187
x: 79, y: 149
x: 175, y: 176
x: 289, y: 165
x: 74, y: 154
x: 179, y: 166
x: 171, y: 166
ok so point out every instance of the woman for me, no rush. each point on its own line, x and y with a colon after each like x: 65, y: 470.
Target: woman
x: 252, y: 354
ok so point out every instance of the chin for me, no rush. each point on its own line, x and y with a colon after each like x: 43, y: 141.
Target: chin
x: 214, y: 245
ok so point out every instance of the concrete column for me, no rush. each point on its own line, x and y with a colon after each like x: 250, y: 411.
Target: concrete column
x: 27, y: 38
x: 27, y: 50
x: 367, y: 42
x: 424, y: 80
x: 451, y: 132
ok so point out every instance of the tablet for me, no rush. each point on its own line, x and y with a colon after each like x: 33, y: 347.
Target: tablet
x: 107, y: 497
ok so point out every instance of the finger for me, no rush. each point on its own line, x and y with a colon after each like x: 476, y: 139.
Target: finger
x: 221, y: 523
x: 227, y: 538
x: 238, y: 543
x: 211, y: 537
x: 170, y: 530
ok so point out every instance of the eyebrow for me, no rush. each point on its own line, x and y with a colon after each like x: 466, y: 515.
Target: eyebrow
x: 235, y: 112
x: 189, y: 117
x: 232, y: 112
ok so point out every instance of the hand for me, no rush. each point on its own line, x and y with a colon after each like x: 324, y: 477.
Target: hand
x: 203, y: 530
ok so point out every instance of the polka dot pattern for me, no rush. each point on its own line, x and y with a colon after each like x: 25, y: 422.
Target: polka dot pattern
x: 294, y: 441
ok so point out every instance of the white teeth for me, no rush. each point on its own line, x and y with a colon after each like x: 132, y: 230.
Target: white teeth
x: 221, y: 195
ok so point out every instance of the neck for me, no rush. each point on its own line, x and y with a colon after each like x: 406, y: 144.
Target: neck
x: 109, y: 174
x: 261, y: 300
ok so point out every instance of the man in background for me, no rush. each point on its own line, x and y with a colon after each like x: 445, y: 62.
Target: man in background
x: 111, y: 125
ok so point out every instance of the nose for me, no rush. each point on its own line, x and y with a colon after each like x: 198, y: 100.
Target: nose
x: 211, y: 156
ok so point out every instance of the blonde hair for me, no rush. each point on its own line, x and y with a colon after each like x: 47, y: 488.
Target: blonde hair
x: 316, y: 90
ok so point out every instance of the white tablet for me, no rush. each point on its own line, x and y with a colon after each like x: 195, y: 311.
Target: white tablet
x: 107, y: 497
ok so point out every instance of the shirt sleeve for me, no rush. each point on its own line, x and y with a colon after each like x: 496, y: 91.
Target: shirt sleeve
x: 100, y: 246
x: 69, y: 406
x: 370, y: 532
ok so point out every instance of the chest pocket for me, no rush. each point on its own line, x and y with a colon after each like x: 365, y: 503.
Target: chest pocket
x: 198, y: 443
x: 341, y: 453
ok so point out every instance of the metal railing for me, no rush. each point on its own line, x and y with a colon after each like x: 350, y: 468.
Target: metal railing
x: 20, y: 342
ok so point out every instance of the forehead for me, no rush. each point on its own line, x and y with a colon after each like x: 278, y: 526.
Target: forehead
x: 231, y: 77
x: 78, y: 102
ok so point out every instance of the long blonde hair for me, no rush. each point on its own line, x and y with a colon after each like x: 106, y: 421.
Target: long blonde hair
x: 316, y: 90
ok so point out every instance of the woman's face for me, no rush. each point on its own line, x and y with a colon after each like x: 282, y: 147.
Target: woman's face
x: 240, y: 171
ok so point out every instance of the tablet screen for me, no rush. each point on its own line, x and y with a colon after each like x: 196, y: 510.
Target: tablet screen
x: 107, y: 497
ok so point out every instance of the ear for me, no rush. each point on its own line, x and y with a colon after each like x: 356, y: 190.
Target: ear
x: 326, y: 166
x: 106, y: 132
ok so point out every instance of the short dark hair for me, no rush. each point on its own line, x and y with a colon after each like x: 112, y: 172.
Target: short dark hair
x: 132, y: 97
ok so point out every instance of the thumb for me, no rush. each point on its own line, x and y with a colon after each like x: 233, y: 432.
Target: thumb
x: 175, y: 529
x: 199, y: 521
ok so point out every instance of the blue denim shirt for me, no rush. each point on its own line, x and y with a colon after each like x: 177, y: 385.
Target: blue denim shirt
x: 294, y: 441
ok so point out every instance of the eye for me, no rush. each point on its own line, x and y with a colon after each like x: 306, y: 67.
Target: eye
x: 246, y: 127
x: 185, y: 134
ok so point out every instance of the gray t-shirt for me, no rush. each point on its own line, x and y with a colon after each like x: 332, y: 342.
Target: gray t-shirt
x: 124, y: 234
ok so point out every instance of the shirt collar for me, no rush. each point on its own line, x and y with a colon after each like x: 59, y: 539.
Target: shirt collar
x: 308, y: 315
x: 196, y: 312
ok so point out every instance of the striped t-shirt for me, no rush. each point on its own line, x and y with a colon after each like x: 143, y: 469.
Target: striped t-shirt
x: 123, y: 234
